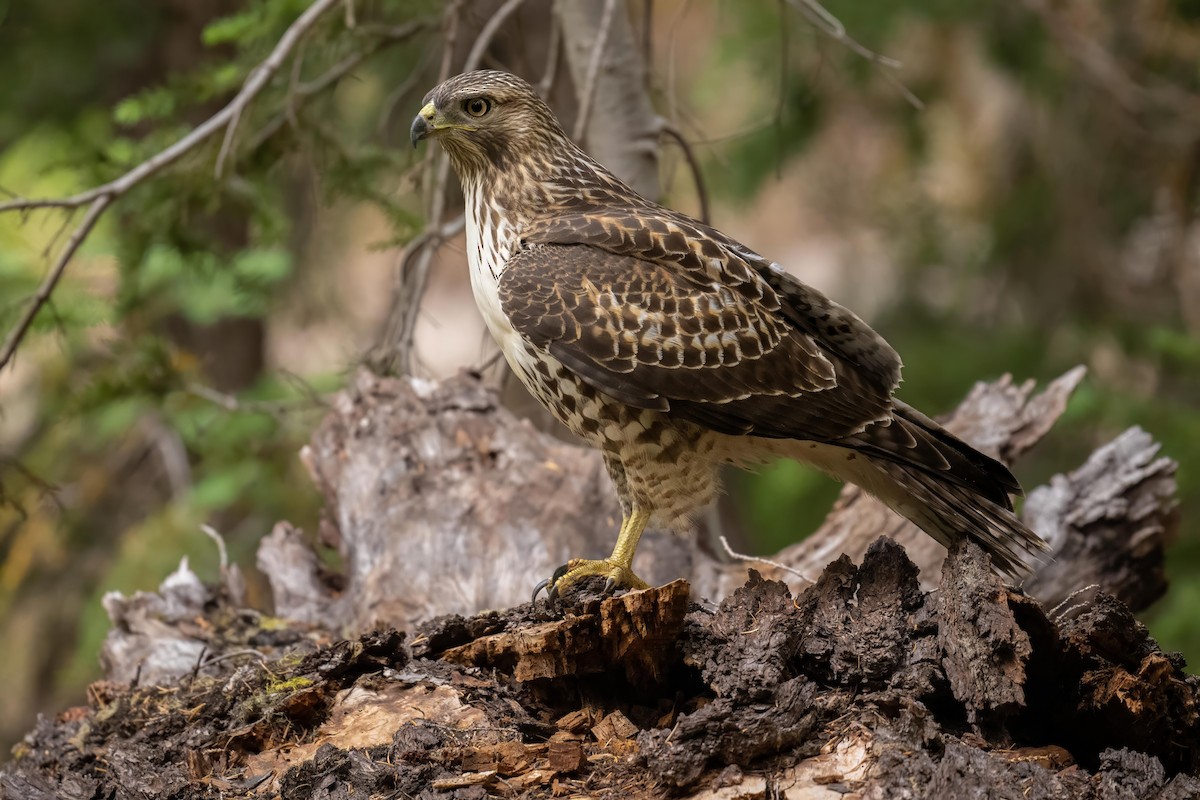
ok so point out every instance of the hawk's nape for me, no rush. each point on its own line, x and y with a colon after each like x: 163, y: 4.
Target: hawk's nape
x: 675, y: 349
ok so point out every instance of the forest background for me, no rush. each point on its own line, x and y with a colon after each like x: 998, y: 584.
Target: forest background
x: 1019, y: 195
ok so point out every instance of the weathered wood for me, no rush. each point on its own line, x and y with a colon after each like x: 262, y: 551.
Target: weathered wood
x: 440, y: 502
x: 1108, y: 523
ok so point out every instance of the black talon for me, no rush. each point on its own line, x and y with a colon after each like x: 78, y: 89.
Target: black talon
x: 542, y: 584
x: 610, y: 586
x: 551, y: 586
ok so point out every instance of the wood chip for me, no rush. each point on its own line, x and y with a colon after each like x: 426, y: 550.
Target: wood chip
x: 463, y: 781
x: 536, y: 777
x: 576, y: 721
x: 615, y: 726
x: 566, y: 756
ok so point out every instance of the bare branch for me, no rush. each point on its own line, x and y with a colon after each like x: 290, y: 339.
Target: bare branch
x: 394, y: 353
x: 832, y: 27
x: 42, y: 296
x: 489, y: 31
x: 693, y: 165
x: 304, y: 90
x: 101, y: 197
x: 255, y: 82
x: 589, y: 85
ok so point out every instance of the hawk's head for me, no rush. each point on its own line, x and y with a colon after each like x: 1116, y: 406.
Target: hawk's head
x: 485, y: 118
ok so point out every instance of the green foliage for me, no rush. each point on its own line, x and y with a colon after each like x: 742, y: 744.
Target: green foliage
x: 127, y: 409
x: 204, y: 289
x: 783, y: 503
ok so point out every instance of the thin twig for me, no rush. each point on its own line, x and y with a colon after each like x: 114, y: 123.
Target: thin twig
x: 589, y: 84
x: 550, y: 73
x: 42, y: 296
x: 232, y: 403
x: 399, y: 93
x: 673, y: 38
x: 484, y: 39
x: 831, y: 26
x: 227, y: 142
x: 1058, y: 613
x: 304, y: 90
x: 394, y: 353
x: 693, y: 165
x: 222, y: 552
x: 449, y: 38
x: 262, y: 657
x: 415, y: 278
x: 383, y: 38
x: 743, y: 557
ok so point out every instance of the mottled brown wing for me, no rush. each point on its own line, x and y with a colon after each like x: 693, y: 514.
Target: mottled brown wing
x: 654, y: 336
x: 628, y: 225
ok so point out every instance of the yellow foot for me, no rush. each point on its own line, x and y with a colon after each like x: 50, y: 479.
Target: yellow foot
x: 577, y: 568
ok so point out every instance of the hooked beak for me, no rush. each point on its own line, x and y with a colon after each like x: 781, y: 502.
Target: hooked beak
x: 423, y: 126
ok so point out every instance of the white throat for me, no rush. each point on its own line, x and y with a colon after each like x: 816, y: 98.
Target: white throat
x: 491, y: 241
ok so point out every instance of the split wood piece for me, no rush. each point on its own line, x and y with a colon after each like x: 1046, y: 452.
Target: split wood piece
x: 635, y: 632
x: 566, y: 757
x: 1108, y: 523
x: 613, y: 727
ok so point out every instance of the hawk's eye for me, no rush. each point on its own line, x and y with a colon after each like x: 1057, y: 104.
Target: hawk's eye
x: 477, y: 106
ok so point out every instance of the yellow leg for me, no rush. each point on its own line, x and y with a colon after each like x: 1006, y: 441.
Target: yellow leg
x: 618, y: 567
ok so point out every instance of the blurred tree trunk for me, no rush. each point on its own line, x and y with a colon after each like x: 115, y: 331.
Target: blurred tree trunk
x: 609, y: 73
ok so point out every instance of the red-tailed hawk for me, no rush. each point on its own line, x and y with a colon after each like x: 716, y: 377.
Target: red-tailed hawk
x: 675, y: 349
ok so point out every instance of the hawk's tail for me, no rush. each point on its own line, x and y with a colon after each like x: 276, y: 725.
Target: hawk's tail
x: 943, y: 485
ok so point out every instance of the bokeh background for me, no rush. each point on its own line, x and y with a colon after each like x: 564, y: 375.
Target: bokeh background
x: 1034, y: 210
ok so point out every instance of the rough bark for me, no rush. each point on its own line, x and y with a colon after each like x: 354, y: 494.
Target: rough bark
x: 860, y: 687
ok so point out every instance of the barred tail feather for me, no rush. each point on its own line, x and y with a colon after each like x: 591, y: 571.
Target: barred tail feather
x: 948, y: 511
x: 940, y: 484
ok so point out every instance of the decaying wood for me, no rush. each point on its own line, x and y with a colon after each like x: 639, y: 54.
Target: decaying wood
x: 1107, y: 523
x: 863, y: 685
